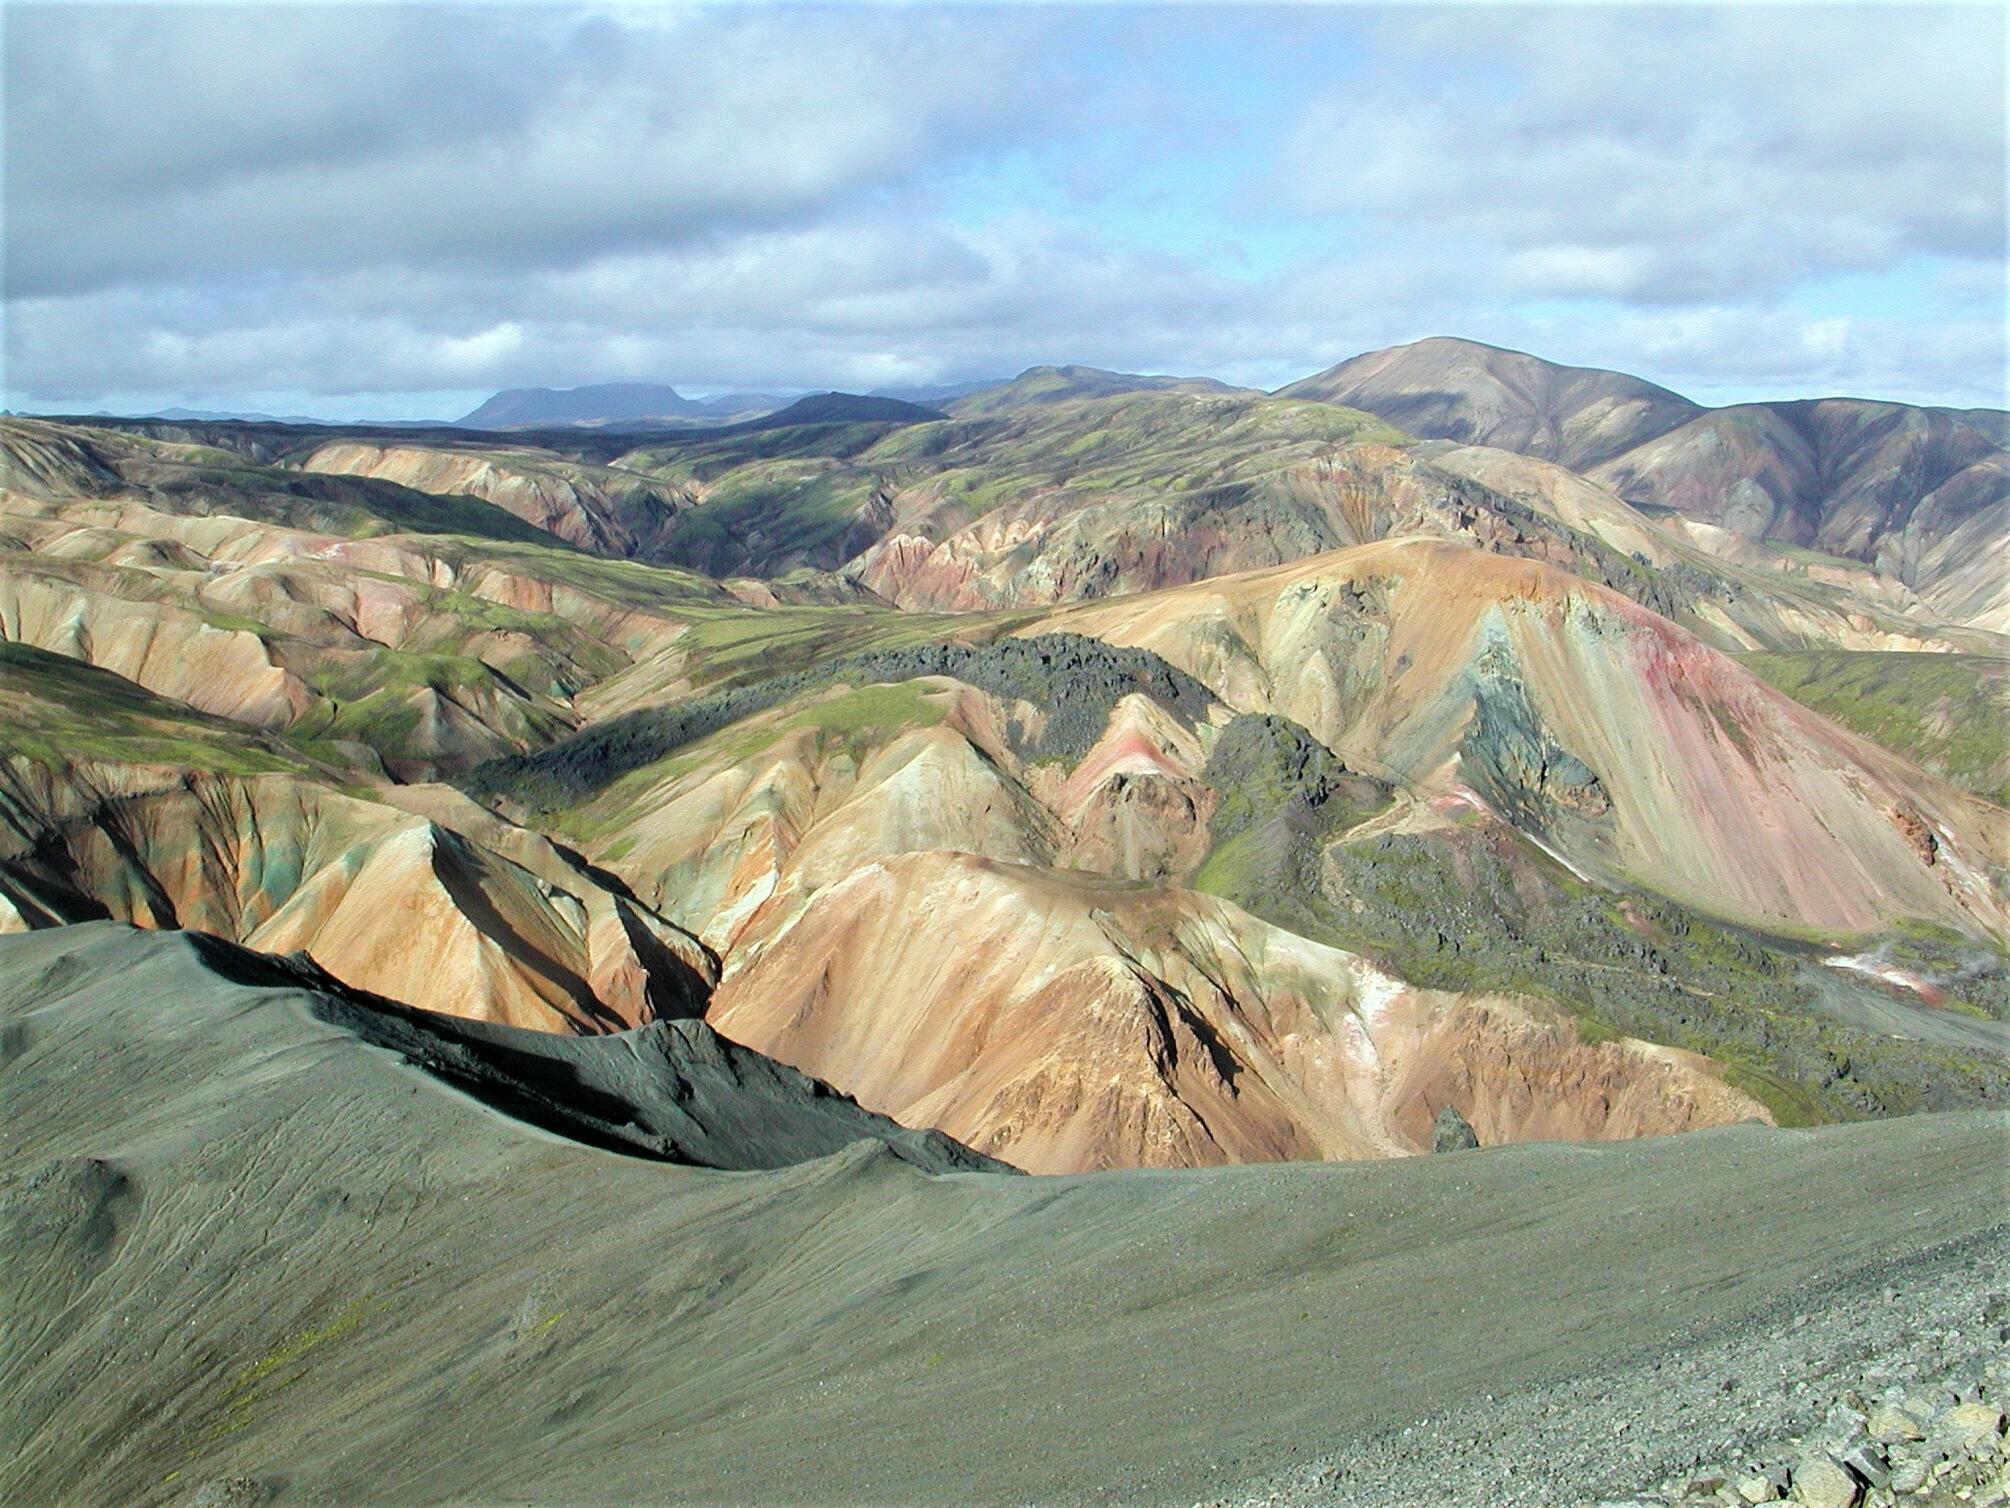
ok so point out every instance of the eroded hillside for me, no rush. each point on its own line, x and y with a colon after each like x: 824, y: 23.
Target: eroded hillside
x: 1113, y: 772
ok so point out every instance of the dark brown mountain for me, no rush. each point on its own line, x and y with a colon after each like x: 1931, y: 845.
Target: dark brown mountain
x: 1444, y: 389
x: 1920, y: 493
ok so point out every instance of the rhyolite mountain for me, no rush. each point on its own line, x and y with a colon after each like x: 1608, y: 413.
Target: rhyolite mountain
x: 1446, y: 389
x: 1923, y: 494
x: 1269, y: 779
x: 595, y: 919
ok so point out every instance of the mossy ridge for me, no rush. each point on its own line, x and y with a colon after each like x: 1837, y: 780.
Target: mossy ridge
x: 357, y: 507
x: 771, y: 521
x: 1076, y: 681
x: 851, y: 721
x: 1648, y: 968
x: 1950, y: 713
x: 778, y: 497
x: 375, y: 702
x: 61, y: 711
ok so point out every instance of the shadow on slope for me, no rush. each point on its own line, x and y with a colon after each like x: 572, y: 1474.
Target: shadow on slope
x: 671, y: 1091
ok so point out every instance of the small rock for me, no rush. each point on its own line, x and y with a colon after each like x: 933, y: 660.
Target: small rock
x: 228, y: 1492
x: 1911, y: 1476
x: 1889, y: 1424
x: 1758, y: 1490
x: 1971, y: 1427
x: 1868, y: 1463
x: 1452, y: 1132
x: 1820, y: 1483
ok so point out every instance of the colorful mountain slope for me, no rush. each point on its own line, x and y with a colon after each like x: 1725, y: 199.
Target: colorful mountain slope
x: 117, y: 803
x: 1624, y: 744
x: 1923, y: 494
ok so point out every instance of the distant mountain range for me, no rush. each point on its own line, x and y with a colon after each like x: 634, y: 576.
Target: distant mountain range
x: 623, y: 405
x: 1922, y: 493
x: 612, y: 404
x: 1104, y: 770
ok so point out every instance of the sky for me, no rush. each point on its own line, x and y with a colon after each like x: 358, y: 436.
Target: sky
x: 390, y: 211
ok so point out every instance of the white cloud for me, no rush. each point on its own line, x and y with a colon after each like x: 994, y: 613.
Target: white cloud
x: 160, y: 144
x: 348, y: 200
x: 1672, y: 156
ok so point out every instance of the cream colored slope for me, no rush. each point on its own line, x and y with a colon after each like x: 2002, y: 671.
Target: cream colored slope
x: 100, y: 617
x: 748, y: 824
x: 566, y: 506
x: 1066, y: 1022
x: 1710, y: 787
x: 366, y: 663
x: 1965, y: 575
x: 583, y: 638
x: 284, y: 628
x: 635, y: 613
x: 441, y: 906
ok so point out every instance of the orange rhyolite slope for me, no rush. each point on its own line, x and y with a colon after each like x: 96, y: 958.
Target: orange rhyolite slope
x: 1063, y: 1021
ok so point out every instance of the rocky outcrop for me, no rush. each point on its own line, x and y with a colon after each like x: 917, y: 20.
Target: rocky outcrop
x: 1452, y: 1132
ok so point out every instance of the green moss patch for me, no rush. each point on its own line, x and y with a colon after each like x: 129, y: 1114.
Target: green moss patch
x: 1949, y: 713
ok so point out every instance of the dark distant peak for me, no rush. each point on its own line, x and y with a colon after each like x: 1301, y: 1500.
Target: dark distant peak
x: 602, y: 403
x: 845, y: 408
x: 226, y: 416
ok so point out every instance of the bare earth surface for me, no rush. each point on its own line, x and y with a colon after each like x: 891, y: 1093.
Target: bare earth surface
x: 246, y: 1248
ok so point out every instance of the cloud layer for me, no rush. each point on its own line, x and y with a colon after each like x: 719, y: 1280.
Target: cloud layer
x: 357, y: 203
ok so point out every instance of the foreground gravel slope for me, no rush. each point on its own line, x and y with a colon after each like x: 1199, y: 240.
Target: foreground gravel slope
x: 245, y: 1248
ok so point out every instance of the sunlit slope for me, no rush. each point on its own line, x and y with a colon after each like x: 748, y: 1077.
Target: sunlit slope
x: 1077, y: 1023
x: 601, y: 509
x: 775, y: 827
x: 117, y: 803
x: 1618, y: 740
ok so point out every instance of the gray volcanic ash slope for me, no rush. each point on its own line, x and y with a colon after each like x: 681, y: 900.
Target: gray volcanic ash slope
x: 252, y: 1258
x: 675, y: 1091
